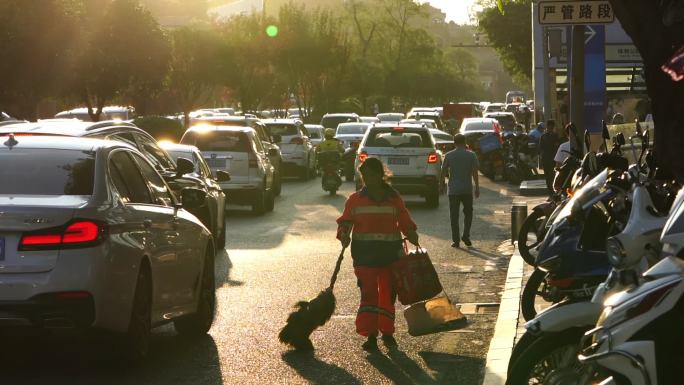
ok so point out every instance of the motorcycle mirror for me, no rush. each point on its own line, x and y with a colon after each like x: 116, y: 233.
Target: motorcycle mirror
x: 639, y: 131
x: 587, y: 140
x: 620, y: 138
x: 606, y: 133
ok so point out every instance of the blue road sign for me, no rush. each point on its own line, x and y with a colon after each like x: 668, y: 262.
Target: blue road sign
x: 594, y: 77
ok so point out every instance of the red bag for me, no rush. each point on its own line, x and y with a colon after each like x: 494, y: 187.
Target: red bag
x: 414, y: 277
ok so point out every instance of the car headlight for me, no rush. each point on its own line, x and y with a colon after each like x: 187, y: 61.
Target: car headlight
x: 616, y: 252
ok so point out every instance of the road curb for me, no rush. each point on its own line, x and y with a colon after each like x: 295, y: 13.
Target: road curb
x: 506, y: 326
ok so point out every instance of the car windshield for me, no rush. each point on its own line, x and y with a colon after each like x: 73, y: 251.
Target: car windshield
x: 399, y: 138
x: 390, y: 117
x: 314, y: 134
x: 47, y: 172
x: 478, y: 126
x: 494, y: 108
x: 334, y: 121
x: 281, y: 129
x: 227, y: 141
x: 351, y: 129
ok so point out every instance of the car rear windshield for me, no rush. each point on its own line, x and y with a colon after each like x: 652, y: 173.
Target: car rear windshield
x: 444, y: 136
x: 281, y: 129
x: 351, y: 130
x: 46, y: 172
x: 478, y: 126
x: 507, y: 122
x: 224, y: 141
x: 314, y: 134
x: 334, y: 121
x: 399, y: 139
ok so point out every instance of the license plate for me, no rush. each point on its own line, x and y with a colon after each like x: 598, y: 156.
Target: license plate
x: 216, y: 163
x: 398, y: 161
x: 2, y: 248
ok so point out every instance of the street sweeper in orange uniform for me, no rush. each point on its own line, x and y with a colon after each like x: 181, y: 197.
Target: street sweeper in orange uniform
x: 373, y: 221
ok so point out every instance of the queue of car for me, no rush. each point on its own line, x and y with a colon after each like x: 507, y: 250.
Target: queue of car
x: 108, y: 229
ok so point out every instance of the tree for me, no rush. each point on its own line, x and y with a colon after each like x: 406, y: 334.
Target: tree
x: 32, y: 37
x: 124, y: 47
x: 657, y: 30
x: 194, y: 67
x: 509, y: 31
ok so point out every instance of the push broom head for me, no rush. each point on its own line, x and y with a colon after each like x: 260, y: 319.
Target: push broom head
x: 308, y: 316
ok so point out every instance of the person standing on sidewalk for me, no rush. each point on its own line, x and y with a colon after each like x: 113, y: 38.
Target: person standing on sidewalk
x: 548, y: 146
x: 461, y: 166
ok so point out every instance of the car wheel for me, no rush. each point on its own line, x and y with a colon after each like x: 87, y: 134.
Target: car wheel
x: 199, y: 323
x: 221, y: 239
x: 136, y: 341
x: 277, y: 184
x: 270, y: 201
x: 432, y: 198
x: 259, y: 203
x: 304, y: 173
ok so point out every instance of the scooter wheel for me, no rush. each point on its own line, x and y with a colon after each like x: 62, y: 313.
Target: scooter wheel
x: 531, y: 234
x: 529, y: 294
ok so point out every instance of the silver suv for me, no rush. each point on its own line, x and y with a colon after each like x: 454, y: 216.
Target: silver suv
x: 297, y: 151
x: 240, y: 152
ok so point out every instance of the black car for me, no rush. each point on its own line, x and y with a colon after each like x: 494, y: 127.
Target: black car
x: 175, y: 174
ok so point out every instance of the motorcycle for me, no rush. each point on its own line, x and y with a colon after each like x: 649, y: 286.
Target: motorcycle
x: 329, y: 162
x: 488, y: 148
x: 569, y: 177
x: 548, y: 348
x: 637, y: 339
x: 519, y: 161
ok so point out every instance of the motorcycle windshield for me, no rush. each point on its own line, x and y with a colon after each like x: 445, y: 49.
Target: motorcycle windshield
x: 588, y: 192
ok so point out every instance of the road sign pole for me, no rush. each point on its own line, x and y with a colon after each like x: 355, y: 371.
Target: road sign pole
x: 548, y: 114
x: 577, y: 81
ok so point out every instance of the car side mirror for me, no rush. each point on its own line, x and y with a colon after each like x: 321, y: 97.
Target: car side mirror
x: 184, y: 166
x: 272, y: 152
x: 192, y: 198
x: 222, y: 176
x: 276, y: 138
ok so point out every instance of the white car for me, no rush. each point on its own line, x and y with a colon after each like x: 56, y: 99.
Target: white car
x: 388, y: 117
x: 240, y: 152
x: 298, y: 153
x: 409, y: 151
x: 316, y: 133
x: 494, y: 107
x: 369, y: 119
x: 427, y: 122
x: 351, y: 134
x: 91, y: 237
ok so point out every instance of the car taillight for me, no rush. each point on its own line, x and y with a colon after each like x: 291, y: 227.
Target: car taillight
x: 297, y: 140
x: 433, y: 158
x: 75, y: 234
x: 362, y: 157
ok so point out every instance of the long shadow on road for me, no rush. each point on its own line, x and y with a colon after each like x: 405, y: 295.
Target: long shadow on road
x: 87, y: 359
x: 316, y: 371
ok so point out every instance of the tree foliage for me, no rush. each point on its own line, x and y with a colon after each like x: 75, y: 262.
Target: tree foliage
x: 509, y: 30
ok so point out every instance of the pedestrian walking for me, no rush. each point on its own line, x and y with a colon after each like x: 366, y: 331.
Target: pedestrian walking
x: 461, y: 166
x: 548, y: 147
x: 373, y: 221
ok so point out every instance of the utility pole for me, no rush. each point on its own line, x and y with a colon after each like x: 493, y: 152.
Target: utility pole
x: 577, y: 83
x: 548, y: 113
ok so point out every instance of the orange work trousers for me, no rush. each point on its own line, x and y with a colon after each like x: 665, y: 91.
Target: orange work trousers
x: 376, y: 312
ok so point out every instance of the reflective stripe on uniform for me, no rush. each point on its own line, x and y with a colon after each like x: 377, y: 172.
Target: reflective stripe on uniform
x: 377, y: 237
x: 374, y: 210
x: 376, y: 310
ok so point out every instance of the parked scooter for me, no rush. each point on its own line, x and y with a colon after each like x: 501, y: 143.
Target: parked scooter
x: 550, y: 343
x: 569, y: 177
x: 637, y: 339
x: 520, y: 162
x: 329, y: 162
x: 546, y: 352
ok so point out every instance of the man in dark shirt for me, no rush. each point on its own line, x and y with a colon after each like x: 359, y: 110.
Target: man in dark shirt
x: 548, y: 147
x: 461, y: 166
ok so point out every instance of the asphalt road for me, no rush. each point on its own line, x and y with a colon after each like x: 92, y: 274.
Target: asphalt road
x: 274, y: 261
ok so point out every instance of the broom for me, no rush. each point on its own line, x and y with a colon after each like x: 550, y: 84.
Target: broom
x: 310, y: 315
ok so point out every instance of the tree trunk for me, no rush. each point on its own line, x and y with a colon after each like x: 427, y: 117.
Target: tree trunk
x: 643, y: 22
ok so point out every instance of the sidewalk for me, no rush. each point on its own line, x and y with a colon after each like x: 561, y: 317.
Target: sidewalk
x: 510, y: 323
